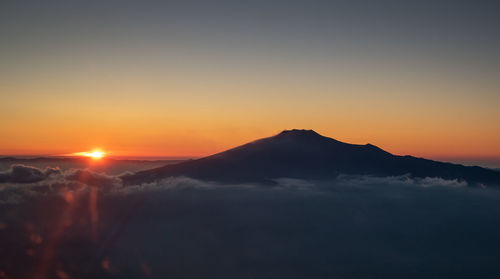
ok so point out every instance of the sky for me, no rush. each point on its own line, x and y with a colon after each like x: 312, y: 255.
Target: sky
x: 192, y: 78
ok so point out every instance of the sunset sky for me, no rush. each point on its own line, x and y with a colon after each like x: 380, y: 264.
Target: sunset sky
x: 191, y: 78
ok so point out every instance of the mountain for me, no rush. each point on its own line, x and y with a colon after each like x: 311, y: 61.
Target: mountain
x: 306, y: 154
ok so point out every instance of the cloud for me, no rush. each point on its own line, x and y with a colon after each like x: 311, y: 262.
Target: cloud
x: 93, y: 178
x: 293, y: 183
x: 21, y: 182
x: 27, y: 174
x: 170, y: 183
x: 367, y: 180
x: 353, y: 226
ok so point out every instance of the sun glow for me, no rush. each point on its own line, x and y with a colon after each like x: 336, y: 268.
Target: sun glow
x: 96, y: 154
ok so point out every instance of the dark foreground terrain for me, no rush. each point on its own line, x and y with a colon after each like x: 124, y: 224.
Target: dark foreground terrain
x: 295, y: 205
x: 351, y: 227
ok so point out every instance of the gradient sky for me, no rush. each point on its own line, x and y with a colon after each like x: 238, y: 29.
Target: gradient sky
x: 191, y: 78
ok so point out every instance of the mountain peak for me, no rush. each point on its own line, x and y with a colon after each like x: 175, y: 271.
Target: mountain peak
x: 299, y: 132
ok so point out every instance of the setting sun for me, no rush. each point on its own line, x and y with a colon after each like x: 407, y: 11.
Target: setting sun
x: 94, y: 154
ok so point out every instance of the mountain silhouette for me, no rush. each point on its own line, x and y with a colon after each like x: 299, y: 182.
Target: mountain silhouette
x: 305, y: 154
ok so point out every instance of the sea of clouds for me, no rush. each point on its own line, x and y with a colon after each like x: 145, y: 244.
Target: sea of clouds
x: 77, y: 223
x: 21, y: 181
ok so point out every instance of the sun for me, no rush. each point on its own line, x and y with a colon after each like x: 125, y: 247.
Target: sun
x: 96, y: 154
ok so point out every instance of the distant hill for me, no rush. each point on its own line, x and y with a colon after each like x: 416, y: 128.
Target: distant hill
x: 108, y: 165
x: 306, y: 154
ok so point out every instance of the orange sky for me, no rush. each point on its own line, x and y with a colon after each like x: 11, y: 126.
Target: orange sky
x: 197, y: 130
x: 147, y: 116
x: 153, y: 81
x: 207, y: 114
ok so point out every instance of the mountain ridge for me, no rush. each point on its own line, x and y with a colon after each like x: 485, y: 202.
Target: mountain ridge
x: 305, y: 154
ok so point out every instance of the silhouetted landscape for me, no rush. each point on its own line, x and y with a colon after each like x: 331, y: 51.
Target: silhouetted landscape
x: 107, y: 165
x: 296, y: 204
x: 305, y: 154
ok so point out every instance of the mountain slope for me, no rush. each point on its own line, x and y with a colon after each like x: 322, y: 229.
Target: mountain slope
x: 306, y: 154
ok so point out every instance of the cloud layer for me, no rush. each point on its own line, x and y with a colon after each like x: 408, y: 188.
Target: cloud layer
x: 85, y: 224
x: 27, y: 174
x: 22, y: 181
